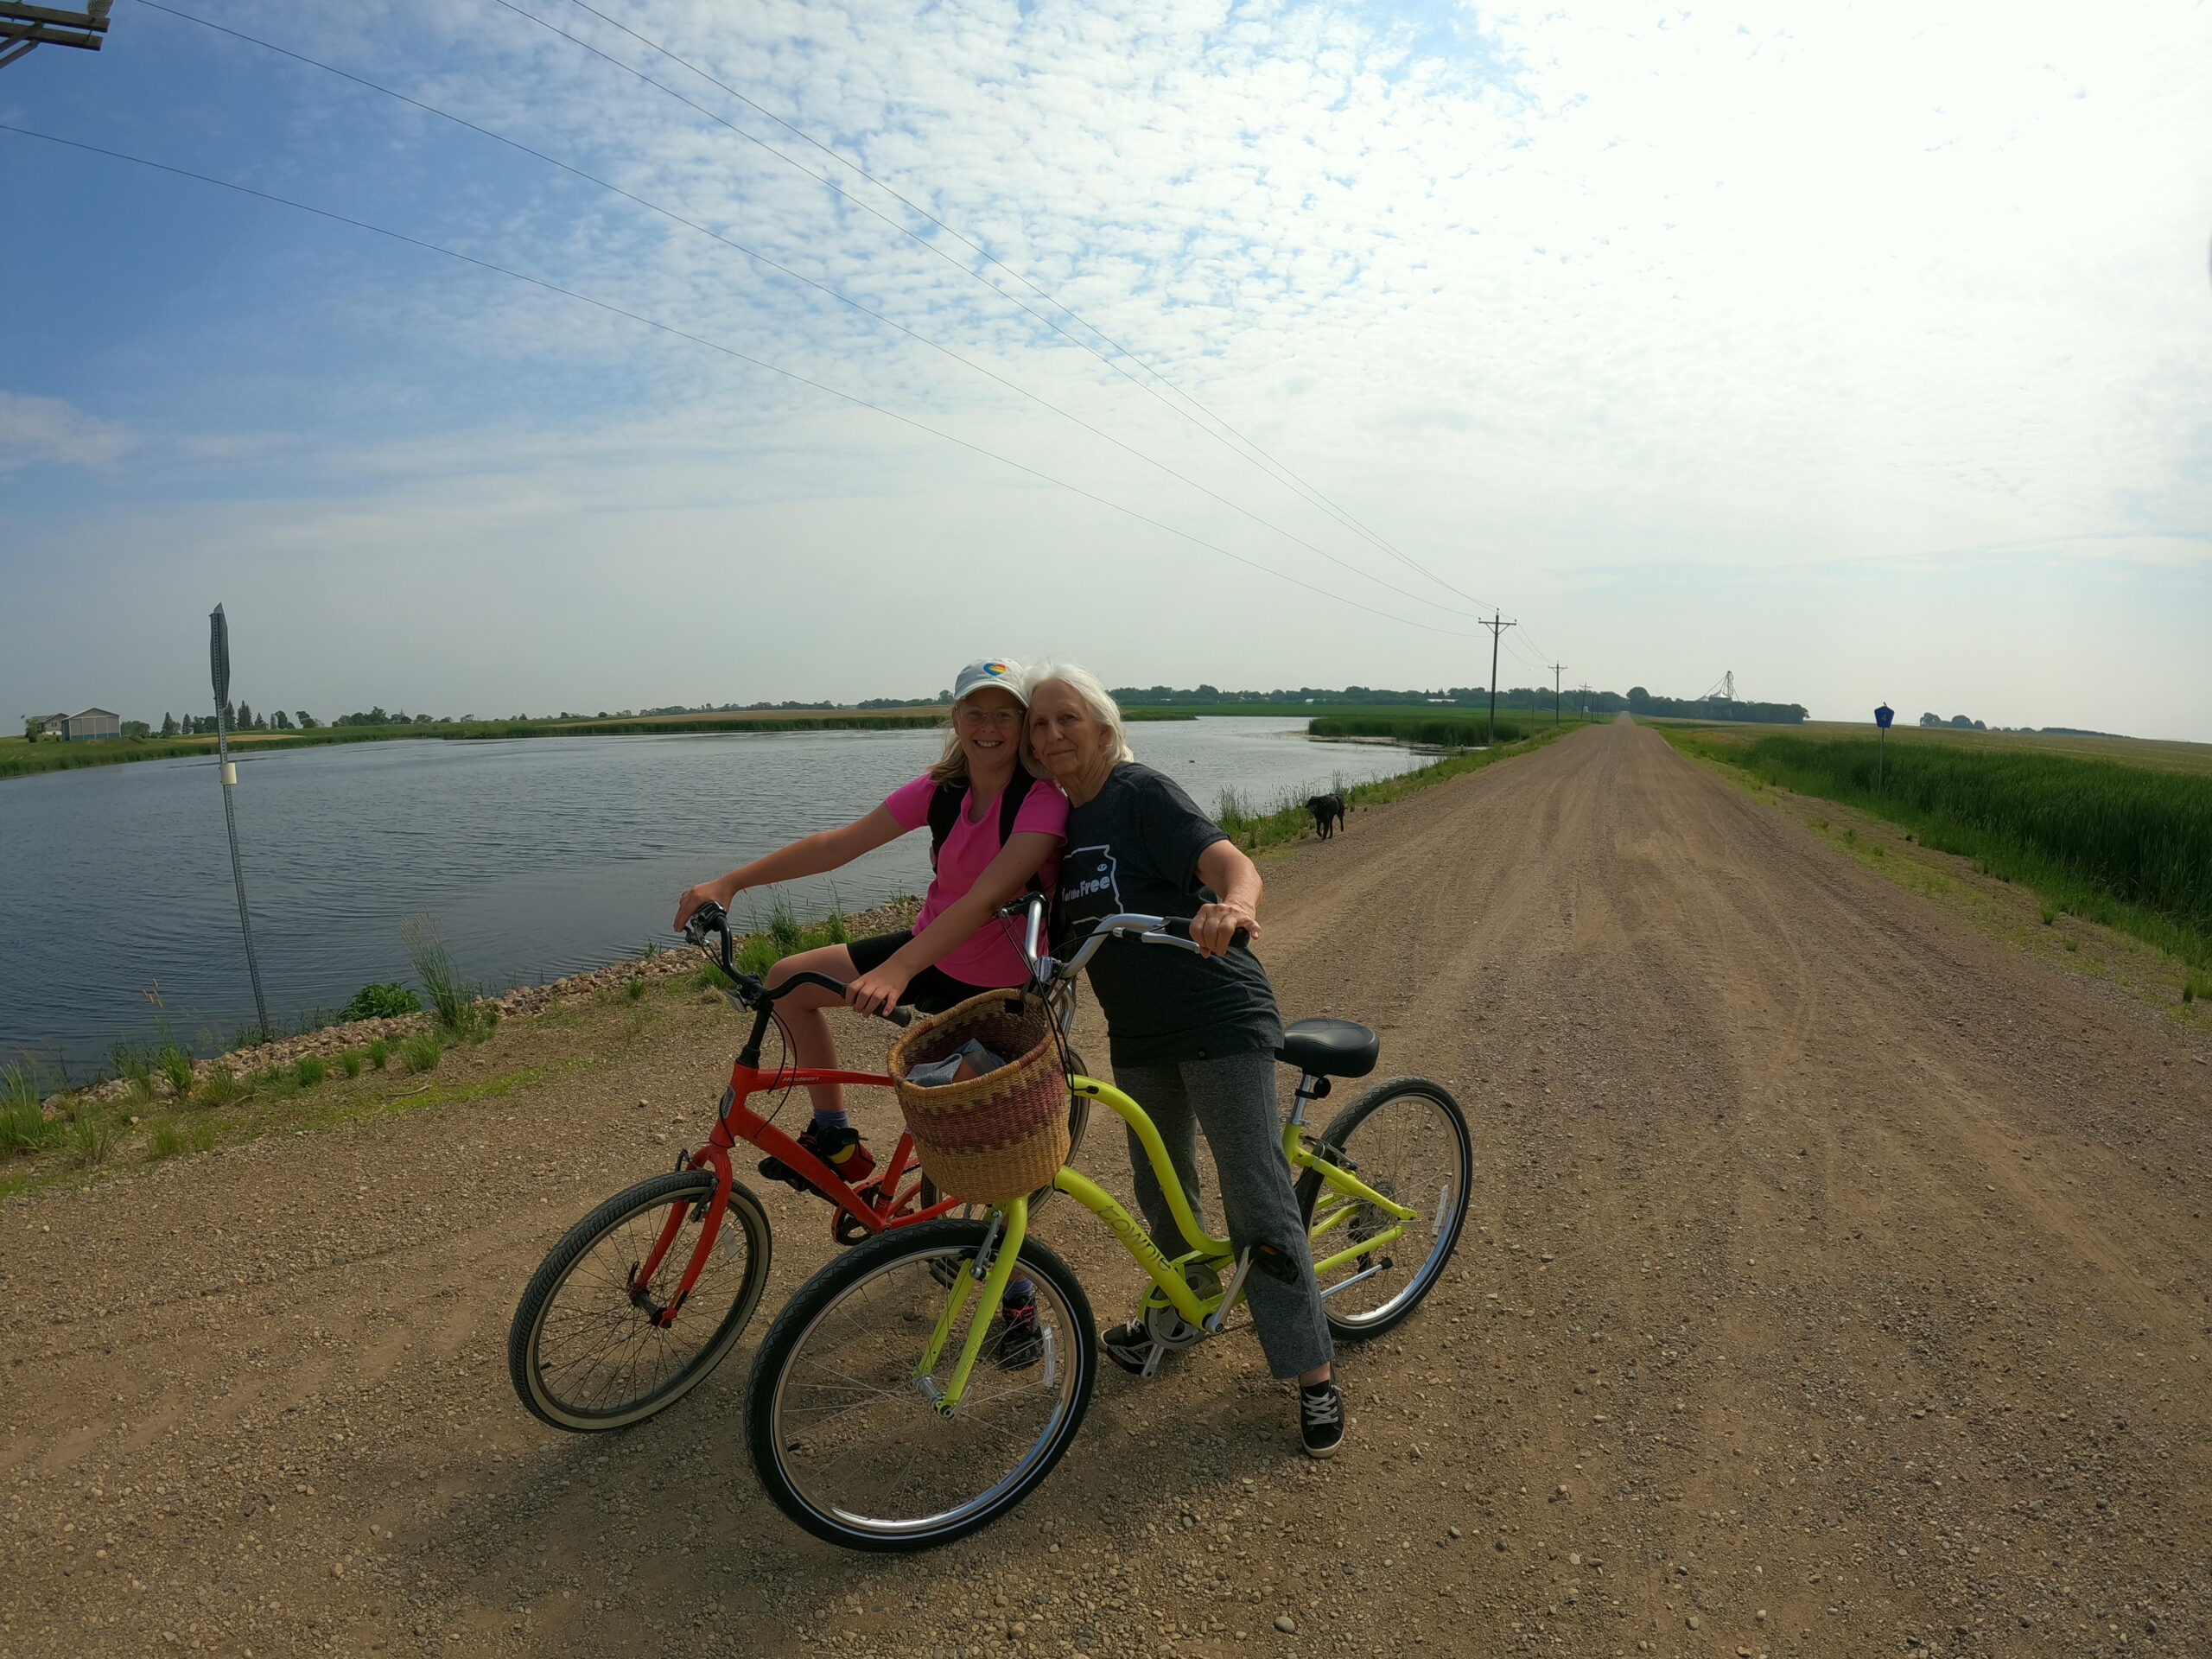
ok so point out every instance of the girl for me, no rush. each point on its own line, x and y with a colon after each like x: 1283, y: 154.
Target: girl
x: 995, y: 829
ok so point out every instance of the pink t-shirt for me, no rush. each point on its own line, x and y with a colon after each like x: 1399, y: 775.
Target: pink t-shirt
x: 991, y: 955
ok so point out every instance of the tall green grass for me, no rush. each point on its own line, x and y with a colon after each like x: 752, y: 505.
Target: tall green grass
x: 2119, y: 844
x: 459, y: 1010
x: 1435, y: 731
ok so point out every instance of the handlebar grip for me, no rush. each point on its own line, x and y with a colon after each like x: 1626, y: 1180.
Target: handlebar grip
x: 902, y: 1016
x: 1179, y: 927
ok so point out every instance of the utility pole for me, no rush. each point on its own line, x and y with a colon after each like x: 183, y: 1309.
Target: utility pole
x: 218, y: 663
x: 1557, y: 669
x: 23, y: 27
x: 1496, y: 631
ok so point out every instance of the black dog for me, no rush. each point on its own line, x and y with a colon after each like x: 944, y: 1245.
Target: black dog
x: 1328, y: 812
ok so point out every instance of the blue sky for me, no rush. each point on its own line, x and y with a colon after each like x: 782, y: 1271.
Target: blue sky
x: 1866, y: 354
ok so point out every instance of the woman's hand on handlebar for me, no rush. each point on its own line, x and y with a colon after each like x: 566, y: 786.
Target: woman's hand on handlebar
x: 1215, y: 925
x: 879, y: 990
x: 705, y: 893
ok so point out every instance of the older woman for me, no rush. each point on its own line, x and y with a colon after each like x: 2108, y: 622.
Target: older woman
x: 1192, y: 1037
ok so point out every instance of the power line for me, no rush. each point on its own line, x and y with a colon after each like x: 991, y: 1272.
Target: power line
x: 775, y: 265
x: 1257, y: 456
x: 726, y: 351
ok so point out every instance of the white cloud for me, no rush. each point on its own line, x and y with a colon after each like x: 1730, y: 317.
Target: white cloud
x: 46, y: 431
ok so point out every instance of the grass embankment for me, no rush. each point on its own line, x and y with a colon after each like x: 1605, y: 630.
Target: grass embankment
x: 163, y: 1108
x: 2127, y: 845
x: 1431, y: 731
x: 1253, y: 826
x: 19, y: 759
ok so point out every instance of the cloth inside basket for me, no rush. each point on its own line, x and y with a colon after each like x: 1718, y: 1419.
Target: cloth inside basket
x: 969, y: 1061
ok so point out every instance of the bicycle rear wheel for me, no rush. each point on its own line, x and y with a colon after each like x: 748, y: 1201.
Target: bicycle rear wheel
x: 842, y: 1434
x: 586, y: 1351
x: 1405, y: 1139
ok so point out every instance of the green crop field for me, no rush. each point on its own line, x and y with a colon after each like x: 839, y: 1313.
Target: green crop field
x: 1454, y: 731
x: 2130, y: 845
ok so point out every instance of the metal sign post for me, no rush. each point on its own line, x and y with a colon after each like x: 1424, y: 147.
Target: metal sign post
x: 218, y: 663
x: 1883, y: 715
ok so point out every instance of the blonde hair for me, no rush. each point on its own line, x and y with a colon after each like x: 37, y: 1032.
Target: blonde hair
x: 951, y: 766
x: 1087, y: 686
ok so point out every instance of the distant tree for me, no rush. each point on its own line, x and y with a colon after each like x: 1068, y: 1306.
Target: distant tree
x: 32, y: 728
x: 136, y: 730
x: 168, y: 725
x: 1639, y: 700
x: 1962, y: 722
x: 242, y: 721
x: 423, y: 720
x: 1979, y: 726
x: 307, y: 722
x: 1931, y: 720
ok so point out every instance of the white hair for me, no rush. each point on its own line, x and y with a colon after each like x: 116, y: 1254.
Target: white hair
x: 1086, y: 685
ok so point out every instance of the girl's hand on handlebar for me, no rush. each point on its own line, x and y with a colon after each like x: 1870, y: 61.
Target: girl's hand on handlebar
x: 1215, y: 925
x: 705, y: 893
x: 879, y: 990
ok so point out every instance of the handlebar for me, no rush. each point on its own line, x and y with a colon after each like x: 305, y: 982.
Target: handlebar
x: 711, y: 918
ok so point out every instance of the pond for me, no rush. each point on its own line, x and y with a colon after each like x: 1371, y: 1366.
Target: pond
x: 536, y: 858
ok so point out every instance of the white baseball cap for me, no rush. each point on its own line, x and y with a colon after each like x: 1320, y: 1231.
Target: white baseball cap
x: 1004, y: 674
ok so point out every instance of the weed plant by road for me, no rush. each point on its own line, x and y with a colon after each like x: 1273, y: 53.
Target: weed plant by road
x: 2121, y: 845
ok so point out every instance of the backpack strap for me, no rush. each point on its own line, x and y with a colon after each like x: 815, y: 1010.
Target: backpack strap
x: 944, y: 812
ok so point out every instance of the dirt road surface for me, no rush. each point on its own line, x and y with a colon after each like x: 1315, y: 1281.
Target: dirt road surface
x: 1837, y: 1285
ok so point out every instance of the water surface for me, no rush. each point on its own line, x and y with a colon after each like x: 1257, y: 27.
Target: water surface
x: 535, y: 857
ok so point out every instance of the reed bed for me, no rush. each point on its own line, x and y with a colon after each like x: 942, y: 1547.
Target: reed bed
x: 2120, y: 844
x: 1431, y: 731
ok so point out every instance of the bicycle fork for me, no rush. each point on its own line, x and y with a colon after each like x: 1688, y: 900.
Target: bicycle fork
x: 993, y: 1269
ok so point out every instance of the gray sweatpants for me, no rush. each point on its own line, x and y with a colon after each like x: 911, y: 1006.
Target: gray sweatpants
x: 1233, y: 1099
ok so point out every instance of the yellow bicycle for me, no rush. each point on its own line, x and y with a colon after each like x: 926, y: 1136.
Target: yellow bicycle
x: 880, y: 1416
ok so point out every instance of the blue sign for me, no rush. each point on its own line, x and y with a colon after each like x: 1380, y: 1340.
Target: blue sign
x: 1884, y: 715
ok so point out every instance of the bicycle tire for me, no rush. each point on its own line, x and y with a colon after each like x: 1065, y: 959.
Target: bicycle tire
x: 1420, y: 1166
x: 744, y: 1228
x: 889, y: 1319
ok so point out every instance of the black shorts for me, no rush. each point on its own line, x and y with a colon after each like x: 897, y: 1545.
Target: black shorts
x: 932, y: 991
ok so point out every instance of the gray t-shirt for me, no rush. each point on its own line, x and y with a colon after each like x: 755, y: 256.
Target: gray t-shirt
x: 1135, y: 846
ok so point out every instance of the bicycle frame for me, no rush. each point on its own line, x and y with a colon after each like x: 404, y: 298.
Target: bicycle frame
x: 735, y: 1120
x: 1009, y: 1223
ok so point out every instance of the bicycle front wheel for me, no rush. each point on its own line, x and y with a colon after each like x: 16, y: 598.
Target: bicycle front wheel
x: 841, y: 1428
x: 588, y: 1351
x: 1405, y: 1139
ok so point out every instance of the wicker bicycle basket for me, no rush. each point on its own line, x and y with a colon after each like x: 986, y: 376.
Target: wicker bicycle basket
x: 1000, y: 1135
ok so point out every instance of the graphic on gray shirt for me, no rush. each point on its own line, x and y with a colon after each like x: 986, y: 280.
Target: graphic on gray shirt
x: 1134, y: 847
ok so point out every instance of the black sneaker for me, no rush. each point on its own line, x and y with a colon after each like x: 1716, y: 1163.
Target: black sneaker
x: 1021, y: 1343
x: 1320, y: 1419
x: 1128, y: 1346
x: 842, y: 1149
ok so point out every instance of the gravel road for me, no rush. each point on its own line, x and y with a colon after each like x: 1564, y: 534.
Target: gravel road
x: 1837, y: 1285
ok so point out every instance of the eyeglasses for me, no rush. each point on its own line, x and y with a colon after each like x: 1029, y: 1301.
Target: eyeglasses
x: 971, y: 717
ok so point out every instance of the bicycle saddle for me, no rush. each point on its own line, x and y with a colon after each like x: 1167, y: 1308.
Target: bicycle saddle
x: 1329, y: 1048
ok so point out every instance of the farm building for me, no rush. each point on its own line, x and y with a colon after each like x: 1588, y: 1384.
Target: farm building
x: 92, y: 723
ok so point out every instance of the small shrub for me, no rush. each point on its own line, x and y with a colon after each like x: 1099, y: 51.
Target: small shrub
x: 350, y: 1062
x: 91, y: 1141
x: 636, y: 987
x: 310, y: 1071
x: 2073, y: 943
x: 784, y: 930
x: 221, y: 1086
x: 421, y: 1051
x: 167, y: 1139
x: 454, y: 999
x: 378, y: 1050
x: 176, y: 1070
x: 381, y: 1002
x: 24, y: 1126
x: 2049, y: 915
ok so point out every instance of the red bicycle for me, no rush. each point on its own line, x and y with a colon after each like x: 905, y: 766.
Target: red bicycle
x: 648, y: 1293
